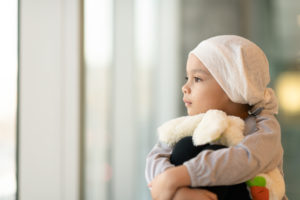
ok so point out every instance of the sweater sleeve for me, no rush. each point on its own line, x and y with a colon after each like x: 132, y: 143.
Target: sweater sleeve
x: 259, y: 152
x: 157, y: 161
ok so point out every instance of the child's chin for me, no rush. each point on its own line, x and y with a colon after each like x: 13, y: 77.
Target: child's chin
x: 191, y: 112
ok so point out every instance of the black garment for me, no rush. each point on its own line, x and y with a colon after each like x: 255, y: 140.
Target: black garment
x: 184, y: 150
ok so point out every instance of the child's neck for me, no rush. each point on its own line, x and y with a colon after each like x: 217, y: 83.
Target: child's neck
x: 239, y: 110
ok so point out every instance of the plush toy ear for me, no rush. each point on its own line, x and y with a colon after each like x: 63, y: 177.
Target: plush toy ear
x: 172, y: 131
x: 166, y: 130
x: 234, y: 132
x: 211, y: 127
x: 187, y: 126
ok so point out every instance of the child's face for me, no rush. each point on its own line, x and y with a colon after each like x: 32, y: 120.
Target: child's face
x: 201, y: 92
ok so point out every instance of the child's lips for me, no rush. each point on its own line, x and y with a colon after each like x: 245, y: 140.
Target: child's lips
x: 187, y: 103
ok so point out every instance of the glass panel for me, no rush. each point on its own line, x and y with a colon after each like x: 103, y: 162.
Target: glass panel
x: 97, y: 61
x: 146, y: 29
x: 286, y: 76
x: 8, y: 97
x: 98, y: 50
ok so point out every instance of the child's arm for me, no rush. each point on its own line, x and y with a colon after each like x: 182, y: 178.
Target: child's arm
x: 259, y: 152
x: 158, y: 161
x: 194, y: 194
x: 171, y: 185
x: 165, y: 185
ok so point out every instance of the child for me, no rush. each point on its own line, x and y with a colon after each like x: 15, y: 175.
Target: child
x: 228, y: 73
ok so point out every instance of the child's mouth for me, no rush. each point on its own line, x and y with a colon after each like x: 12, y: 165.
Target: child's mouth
x: 187, y: 103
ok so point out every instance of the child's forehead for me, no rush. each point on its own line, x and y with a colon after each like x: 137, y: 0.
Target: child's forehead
x: 197, y: 70
x: 194, y: 65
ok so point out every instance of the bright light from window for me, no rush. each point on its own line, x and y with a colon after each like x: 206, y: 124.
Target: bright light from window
x: 8, y: 91
x: 288, y: 89
x: 98, y: 33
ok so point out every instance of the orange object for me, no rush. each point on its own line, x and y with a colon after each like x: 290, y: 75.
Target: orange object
x: 259, y: 193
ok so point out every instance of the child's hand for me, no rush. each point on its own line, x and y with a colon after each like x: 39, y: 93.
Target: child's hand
x: 185, y: 193
x: 164, y: 186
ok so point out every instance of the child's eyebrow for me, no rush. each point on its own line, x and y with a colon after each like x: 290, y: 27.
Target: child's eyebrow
x: 198, y: 70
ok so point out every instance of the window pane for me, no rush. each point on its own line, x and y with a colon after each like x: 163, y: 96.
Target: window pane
x: 105, y: 74
x: 8, y: 98
x: 97, y: 63
x: 146, y: 57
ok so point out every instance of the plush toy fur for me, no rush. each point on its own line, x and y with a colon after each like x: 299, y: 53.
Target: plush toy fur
x: 215, y: 126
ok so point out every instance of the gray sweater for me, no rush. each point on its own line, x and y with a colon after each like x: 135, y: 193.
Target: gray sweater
x: 259, y: 152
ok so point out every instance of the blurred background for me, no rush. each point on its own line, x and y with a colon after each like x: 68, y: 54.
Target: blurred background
x: 84, y: 84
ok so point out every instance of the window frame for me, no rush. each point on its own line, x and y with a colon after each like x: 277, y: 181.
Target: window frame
x: 50, y: 40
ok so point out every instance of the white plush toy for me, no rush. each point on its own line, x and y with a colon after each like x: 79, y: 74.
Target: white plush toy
x: 215, y: 126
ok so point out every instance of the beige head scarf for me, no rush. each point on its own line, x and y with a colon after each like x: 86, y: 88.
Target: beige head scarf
x: 241, y: 69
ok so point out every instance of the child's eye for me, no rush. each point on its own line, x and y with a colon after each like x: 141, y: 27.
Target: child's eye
x: 197, y: 79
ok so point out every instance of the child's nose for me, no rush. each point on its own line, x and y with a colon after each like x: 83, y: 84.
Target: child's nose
x: 185, y: 89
